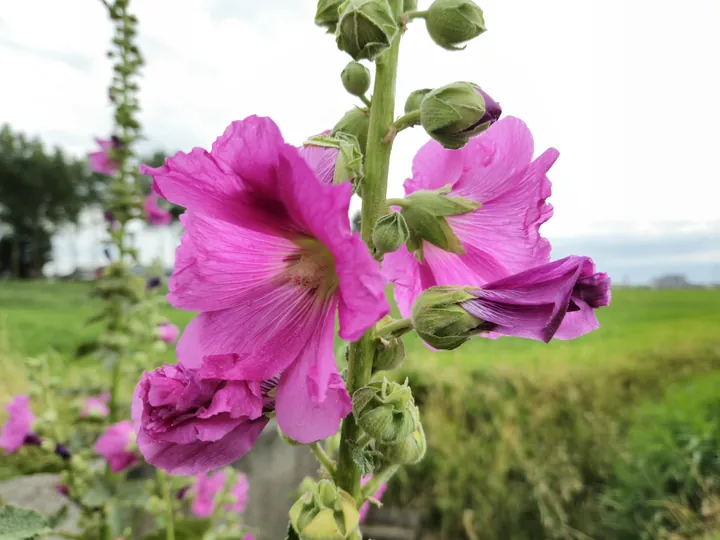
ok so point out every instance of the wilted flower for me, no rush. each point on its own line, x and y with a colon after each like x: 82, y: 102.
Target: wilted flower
x: 168, y: 332
x: 100, y: 161
x: 155, y: 215
x: 96, y: 406
x: 501, y: 237
x: 17, y: 429
x: 267, y: 259
x: 115, y: 446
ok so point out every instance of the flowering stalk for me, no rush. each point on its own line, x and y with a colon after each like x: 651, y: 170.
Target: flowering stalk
x: 377, y: 165
x: 168, y: 499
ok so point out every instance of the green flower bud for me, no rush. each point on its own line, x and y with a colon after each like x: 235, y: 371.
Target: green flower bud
x: 390, y: 232
x: 453, y: 114
x: 439, y: 319
x: 413, y: 101
x: 410, y: 5
x: 385, y: 410
x: 324, y: 512
x: 389, y: 354
x: 356, y: 78
x: 366, y: 28
x: 411, y: 450
x: 356, y: 123
x: 349, y: 160
x: 453, y: 22
x: 327, y: 14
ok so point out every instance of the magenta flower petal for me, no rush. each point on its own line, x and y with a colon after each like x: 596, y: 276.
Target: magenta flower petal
x: 239, y: 491
x: 365, y: 508
x: 155, y: 215
x: 206, y: 487
x: 113, y: 446
x: 311, y: 397
x: 18, y: 425
x: 168, y: 332
x: 501, y: 237
x: 96, y: 406
x: 321, y: 160
x: 536, y: 303
x: 100, y: 161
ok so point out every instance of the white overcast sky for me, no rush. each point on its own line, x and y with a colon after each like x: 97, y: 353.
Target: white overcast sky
x: 627, y: 90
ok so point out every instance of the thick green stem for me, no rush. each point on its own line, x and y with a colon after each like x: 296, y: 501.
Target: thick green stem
x: 377, y: 165
x: 395, y: 328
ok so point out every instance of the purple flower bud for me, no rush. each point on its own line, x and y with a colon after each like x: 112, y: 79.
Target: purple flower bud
x: 492, y: 108
x: 32, y: 440
x: 62, y: 451
x: 153, y: 282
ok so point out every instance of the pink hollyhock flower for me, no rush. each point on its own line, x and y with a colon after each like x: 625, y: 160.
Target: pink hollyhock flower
x: 168, y: 332
x: 18, y: 426
x: 334, y: 160
x: 500, y: 238
x: 96, y: 406
x: 365, y: 508
x: 155, y: 215
x: 114, y: 446
x: 240, y: 493
x: 249, y: 536
x: 62, y: 489
x: 553, y: 300
x: 188, y: 423
x: 206, y: 487
x: 268, y: 258
x: 100, y: 161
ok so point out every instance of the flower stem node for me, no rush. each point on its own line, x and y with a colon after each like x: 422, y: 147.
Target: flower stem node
x: 349, y: 161
x: 454, y: 113
x: 327, y: 14
x: 386, y: 411
x: 413, y: 101
x: 390, y: 232
x: 439, y: 319
x: 356, y: 78
x: 356, y: 123
x: 365, y: 28
x: 409, y: 451
x: 325, y: 512
x: 389, y: 354
x: 451, y: 23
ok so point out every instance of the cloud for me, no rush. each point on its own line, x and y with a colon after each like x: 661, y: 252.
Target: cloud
x: 77, y: 61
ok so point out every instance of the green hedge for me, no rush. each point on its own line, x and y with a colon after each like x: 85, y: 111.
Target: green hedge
x: 535, y: 455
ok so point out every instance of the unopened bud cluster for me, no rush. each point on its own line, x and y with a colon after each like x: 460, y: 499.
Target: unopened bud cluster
x: 324, y: 512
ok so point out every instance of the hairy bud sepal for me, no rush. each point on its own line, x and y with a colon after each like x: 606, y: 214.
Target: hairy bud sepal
x: 324, y: 512
x: 385, y: 410
x: 413, y: 101
x: 349, y: 161
x: 355, y: 122
x: 390, y: 232
x: 365, y: 28
x: 389, y: 354
x: 356, y: 78
x: 451, y: 23
x: 453, y: 114
x: 328, y: 14
x: 439, y: 319
x: 409, y: 451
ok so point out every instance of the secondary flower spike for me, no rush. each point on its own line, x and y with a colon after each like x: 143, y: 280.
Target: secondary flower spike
x: 267, y: 259
x: 115, y: 446
x: 500, y: 238
x: 188, y: 424
x: 17, y: 429
x: 100, y: 161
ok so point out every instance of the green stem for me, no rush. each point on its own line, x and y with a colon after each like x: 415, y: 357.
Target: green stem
x: 363, y: 440
x: 377, y: 165
x: 410, y: 15
x: 323, y: 458
x: 366, y: 101
x: 395, y: 328
x: 379, y: 478
x: 165, y: 487
x: 407, y: 120
x: 402, y: 203
x: 115, y: 390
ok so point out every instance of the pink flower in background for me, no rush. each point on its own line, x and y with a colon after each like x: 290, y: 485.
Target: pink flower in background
x: 249, y: 536
x: 155, y: 215
x: 365, y: 508
x: 62, y: 489
x: 553, y: 300
x: 100, y: 161
x: 96, y: 406
x: 206, y: 487
x: 168, y: 332
x: 114, y: 446
x: 188, y: 424
x: 18, y: 426
x: 240, y: 493
x: 267, y: 259
x: 500, y: 238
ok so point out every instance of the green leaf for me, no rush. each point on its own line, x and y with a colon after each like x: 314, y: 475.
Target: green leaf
x: 291, y: 534
x: 364, y: 460
x: 20, y: 523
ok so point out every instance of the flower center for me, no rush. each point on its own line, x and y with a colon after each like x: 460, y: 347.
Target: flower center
x: 312, y: 267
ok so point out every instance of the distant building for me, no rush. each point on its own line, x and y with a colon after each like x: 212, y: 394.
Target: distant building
x: 676, y: 281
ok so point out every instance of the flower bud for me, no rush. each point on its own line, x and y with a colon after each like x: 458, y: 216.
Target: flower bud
x: 327, y: 14
x: 453, y: 114
x: 365, y: 28
x: 385, y: 410
x: 411, y: 450
x: 389, y: 354
x: 413, y: 101
x: 325, y: 512
x: 348, y: 160
x: 356, y: 123
x: 453, y: 22
x: 440, y: 321
x: 356, y: 78
x: 409, y: 5
x: 390, y: 232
